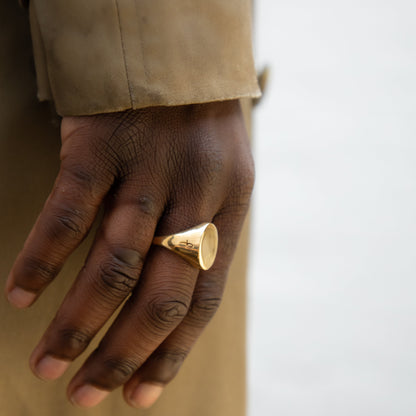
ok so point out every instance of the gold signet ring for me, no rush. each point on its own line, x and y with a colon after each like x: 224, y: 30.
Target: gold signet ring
x: 198, y: 245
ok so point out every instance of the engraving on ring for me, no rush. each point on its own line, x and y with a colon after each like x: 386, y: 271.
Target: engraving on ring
x: 186, y: 244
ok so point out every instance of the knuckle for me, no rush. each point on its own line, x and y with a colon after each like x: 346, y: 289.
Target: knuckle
x: 119, y: 274
x: 71, y: 342
x: 203, y: 308
x: 147, y: 205
x: 163, y: 365
x: 69, y: 222
x: 113, y: 372
x: 37, y: 273
x: 81, y: 176
x: 172, y: 356
x: 165, y: 311
x: 84, y: 176
x: 119, y: 369
x: 79, y: 179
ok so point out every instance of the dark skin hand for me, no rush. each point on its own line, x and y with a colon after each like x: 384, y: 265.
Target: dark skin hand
x: 157, y: 171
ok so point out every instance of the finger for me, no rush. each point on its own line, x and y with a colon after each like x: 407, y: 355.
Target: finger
x: 147, y: 383
x: 63, y: 223
x: 156, y: 307
x: 108, y: 277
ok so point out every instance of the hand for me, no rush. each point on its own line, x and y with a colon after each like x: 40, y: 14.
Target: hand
x: 158, y: 171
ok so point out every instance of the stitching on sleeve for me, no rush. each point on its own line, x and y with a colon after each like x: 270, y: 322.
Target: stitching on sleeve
x: 124, y: 55
x: 145, y: 70
x: 41, y: 61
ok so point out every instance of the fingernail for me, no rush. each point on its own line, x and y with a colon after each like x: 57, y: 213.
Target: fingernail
x: 88, y: 396
x: 21, y: 298
x: 49, y: 368
x: 145, y: 394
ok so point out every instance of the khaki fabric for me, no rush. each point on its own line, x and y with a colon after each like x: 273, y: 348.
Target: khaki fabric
x: 212, y: 380
x: 109, y: 55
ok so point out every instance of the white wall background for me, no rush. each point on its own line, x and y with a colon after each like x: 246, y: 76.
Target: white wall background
x: 333, y: 273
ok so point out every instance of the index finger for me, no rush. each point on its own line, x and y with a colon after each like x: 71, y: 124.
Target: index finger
x: 61, y: 226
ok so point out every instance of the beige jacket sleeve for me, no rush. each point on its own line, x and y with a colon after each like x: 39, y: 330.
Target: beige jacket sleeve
x: 95, y: 56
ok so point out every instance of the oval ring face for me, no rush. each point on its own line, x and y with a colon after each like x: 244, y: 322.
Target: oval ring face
x: 197, y: 245
x: 208, y: 247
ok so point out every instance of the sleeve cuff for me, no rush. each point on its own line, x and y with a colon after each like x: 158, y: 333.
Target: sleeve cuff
x: 100, y: 56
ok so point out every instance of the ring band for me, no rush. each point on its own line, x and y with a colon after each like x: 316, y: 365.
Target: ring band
x: 197, y: 245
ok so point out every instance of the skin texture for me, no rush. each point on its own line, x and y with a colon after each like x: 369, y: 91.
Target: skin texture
x: 157, y: 171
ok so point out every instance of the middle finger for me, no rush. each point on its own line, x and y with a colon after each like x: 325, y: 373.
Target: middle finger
x: 111, y: 271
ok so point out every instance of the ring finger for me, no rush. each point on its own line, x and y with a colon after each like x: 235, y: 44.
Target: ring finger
x: 158, y: 304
